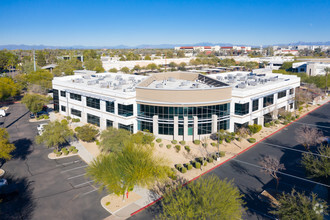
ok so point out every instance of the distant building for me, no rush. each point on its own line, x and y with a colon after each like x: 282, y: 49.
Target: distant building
x: 49, y: 67
x: 315, y: 68
x: 189, y: 49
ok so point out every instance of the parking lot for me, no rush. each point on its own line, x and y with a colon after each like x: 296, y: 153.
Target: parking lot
x: 48, y: 189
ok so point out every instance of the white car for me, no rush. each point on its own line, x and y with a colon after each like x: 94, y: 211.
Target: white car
x: 2, y: 113
x: 41, y: 128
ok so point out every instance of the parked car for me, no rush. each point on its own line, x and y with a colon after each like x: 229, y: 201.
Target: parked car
x: 2, y: 113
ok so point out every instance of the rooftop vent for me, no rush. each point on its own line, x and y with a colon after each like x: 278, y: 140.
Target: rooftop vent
x: 159, y: 85
x: 78, y: 80
x: 171, y: 79
x: 86, y: 76
x: 241, y: 86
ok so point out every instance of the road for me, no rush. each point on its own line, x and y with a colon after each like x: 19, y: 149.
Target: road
x: 251, y: 181
x: 49, y: 189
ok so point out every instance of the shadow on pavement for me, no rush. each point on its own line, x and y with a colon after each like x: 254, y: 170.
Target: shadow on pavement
x: 22, y: 204
x: 22, y: 148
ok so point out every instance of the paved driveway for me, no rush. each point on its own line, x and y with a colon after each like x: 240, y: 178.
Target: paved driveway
x: 251, y: 181
x: 49, y: 189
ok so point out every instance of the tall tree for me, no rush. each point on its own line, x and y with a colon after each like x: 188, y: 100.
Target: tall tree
x: 6, y: 148
x: 54, y: 134
x: 40, y: 58
x: 205, y: 198
x: 8, y: 88
x: 42, y: 78
x: 94, y: 64
x: 113, y: 139
x: 34, y: 102
x: 133, y: 166
x: 308, y: 136
x: 271, y: 165
x: 296, y: 205
x: 125, y: 70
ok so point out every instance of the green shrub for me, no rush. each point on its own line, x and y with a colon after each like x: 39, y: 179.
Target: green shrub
x: 204, y: 144
x: 214, y: 144
x: 46, y: 117
x: 205, y: 163
x: 293, y: 118
x: 74, y: 151
x: 72, y: 148
x: 68, y: 118
x: 286, y: 122
x: 251, y: 140
x: 77, y: 129
x: 187, y: 148
x: 59, y: 153
x: 222, y: 153
x: 168, y: 146
x: 239, y: 139
x: 183, y: 170
x: 189, y: 167
x: 152, y: 144
x: 97, y: 142
x: 177, y: 148
x: 197, y: 165
x: 197, y: 142
x: 161, y: 145
x: 182, y: 142
x: 158, y: 140
x: 220, y: 141
x: 277, y: 121
x: 272, y: 123
x: 66, y: 152
x: 178, y: 166
x: 209, y: 159
x: 107, y: 203
x: 174, y: 142
x: 297, y: 116
x: 65, y: 122
x: 172, y: 174
x: 75, y: 120
x: 267, y: 125
x: 87, y: 133
x: 255, y: 128
x: 200, y: 159
x: 228, y: 140
x: 300, y: 108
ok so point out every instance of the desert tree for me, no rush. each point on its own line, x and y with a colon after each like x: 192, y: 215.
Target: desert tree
x: 271, y: 165
x: 113, y: 139
x: 6, y: 148
x: 308, y: 136
x: 297, y: 205
x: 206, y: 198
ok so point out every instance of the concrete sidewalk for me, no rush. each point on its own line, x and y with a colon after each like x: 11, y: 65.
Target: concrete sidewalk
x: 83, y: 152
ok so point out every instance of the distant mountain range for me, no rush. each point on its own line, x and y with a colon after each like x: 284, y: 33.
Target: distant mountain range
x: 142, y: 46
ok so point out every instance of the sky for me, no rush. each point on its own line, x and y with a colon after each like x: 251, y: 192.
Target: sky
x: 135, y: 22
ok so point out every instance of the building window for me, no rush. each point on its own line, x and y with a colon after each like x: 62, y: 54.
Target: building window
x: 63, y: 108
x: 291, y: 105
x: 92, y: 119
x: 76, y: 112
x: 145, y: 126
x: 281, y: 94
x: 110, y: 107
x: 241, y: 109
x: 125, y: 110
x: 255, y: 105
x: 205, y: 128
x: 75, y: 96
x: 126, y: 127
x: 268, y: 100
x: 109, y: 123
x: 92, y: 102
x: 223, y: 125
x: 56, y: 100
x: 291, y: 91
x: 63, y: 93
x: 180, y: 129
x: 166, y: 129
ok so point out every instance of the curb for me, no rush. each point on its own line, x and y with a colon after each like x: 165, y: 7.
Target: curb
x: 150, y: 204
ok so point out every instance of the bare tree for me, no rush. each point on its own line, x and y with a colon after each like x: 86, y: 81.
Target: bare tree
x: 271, y: 165
x: 308, y: 136
x: 243, y: 132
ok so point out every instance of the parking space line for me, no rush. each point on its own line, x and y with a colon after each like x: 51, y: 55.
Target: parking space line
x: 76, y: 176
x: 81, y: 184
x: 64, y: 164
x: 74, y: 168
x: 319, y: 126
x: 86, y: 193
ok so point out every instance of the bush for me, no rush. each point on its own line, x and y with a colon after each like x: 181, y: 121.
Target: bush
x: 107, y: 203
x: 72, y: 148
x: 189, y: 167
x: 58, y: 153
x: 77, y: 129
x: 75, y: 120
x: 46, y: 117
x: 300, y: 108
x: 68, y: 118
x: 197, y: 142
x: 74, y: 151
x: 87, y: 133
x: 152, y: 144
x: 205, y: 163
x: 220, y: 141
x: 174, y: 142
x: 204, y: 144
x: 183, y: 170
x: 213, y: 144
x: 65, y: 122
x: 255, y: 128
x: 209, y: 159
x: 161, y: 145
x: 286, y: 122
x: 178, y: 166
x: 228, y: 140
x: 168, y: 146
x: 177, y: 148
x: 239, y: 139
x: 187, y: 148
x: 277, y: 121
x: 222, y: 154
x: 158, y: 140
x: 272, y: 123
x: 197, y: 165
x: 97, y: 142
x: 200, y: 159
x: 293, y: 118
x: 297, y: 116
x: 267, y: 125
x: 182, y: 142
x: 252, y: 140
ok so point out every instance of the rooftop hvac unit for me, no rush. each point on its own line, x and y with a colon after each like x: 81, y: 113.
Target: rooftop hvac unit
x: 86, y: 76
x: 241, y: 86
x: 253, y: 83
x: 242, y: 78
x: 159, y: 85
x: 118, y: 78
x: 171, y: 79
x: 91, y: 82
x: 231, y: 80
x: 230, y: 76
x: 104, y: 84
x: 184, y: 83
x: 131, y: 78
x: 117, y: 87
x: 239, y: 74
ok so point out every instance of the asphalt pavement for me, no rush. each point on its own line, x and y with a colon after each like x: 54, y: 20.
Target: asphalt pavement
x: 48, y: 189
x: 245, y: 170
